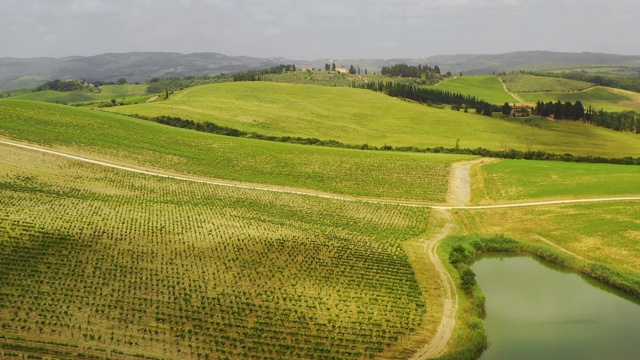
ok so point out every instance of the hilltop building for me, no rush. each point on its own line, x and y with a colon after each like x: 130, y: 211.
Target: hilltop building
x: 520, y: 110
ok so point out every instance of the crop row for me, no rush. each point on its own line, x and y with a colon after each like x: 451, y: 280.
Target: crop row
x: 102, y: 258
x: 524, y: 83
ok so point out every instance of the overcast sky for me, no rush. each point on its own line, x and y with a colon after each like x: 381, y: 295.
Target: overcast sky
x: 302, y: 29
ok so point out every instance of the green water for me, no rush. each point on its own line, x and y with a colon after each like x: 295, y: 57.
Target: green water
x: 538, y: 311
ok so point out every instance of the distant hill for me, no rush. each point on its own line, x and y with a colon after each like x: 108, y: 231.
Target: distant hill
x: 142, y: 66
x: 529, y: 60
x: 135, y: 67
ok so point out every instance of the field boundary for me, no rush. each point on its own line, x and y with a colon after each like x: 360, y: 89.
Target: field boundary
x: 298, y: 191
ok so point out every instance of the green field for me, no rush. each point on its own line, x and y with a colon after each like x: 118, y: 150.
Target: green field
x: 103, y: 263
x: 525, y: 83
x: 519, y: 180
x: 105, y: 92
x: 598, y: 98
x: 603, y: 232
x: 117, y: 138
x: 487, y: 88
x: 355, y: 116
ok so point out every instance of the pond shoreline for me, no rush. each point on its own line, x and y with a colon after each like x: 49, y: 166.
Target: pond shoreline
x: 462, y: 250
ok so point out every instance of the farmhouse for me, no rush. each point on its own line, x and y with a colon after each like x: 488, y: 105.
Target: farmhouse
x: 520, y: 110
x: 305, y: 68
x: 342, y: 70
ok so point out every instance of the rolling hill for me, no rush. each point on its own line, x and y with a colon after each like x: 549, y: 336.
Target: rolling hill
x: 356, y: 116
x: 121, y: 139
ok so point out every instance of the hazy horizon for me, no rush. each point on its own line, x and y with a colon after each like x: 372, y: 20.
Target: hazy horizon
x: 304, y: 30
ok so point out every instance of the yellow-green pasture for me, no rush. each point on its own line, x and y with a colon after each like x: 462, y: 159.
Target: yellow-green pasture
x: 356, y: 116
x: 122, y: 139
x: 487, y: 88
x: 526, y: 180
x: 605, y: 232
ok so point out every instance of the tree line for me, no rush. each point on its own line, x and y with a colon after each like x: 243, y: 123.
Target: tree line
x: 429, y: 96
x: 560, y: 110
x: 255, y: 75
x: 212, y: 128
x: 62, y: 85
x: 159, y: 85
x: 618, y: 121
x: 410, y: 71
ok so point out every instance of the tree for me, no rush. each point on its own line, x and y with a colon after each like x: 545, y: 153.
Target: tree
x: 578, y: 110
x: 122, y: 81
x: 486, y: 110
x: 558, y: 112
x: 458, y: 254
x: 352, y: 70
x: 327, y: 66
x: 506, y: 109
x: 568, y: 111
x: 365, y: 71
x: 333, y: 66
x: 468, y: 278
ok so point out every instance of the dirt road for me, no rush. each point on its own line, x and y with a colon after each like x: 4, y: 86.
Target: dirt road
x: 438, y: 344
x: 513, y: 95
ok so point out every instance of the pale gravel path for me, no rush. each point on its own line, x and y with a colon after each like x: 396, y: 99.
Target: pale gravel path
x: 514, y: 95
x: 458, y: 195
x: 555, y: 246
x: 438, y: 344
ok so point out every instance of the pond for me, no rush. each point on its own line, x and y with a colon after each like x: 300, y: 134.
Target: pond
x: 538, y: 311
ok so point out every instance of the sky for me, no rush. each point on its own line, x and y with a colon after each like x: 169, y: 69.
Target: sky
x: 318, y: 29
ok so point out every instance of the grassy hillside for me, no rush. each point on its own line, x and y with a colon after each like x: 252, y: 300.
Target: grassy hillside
x: 487, y: 88
x: 105, y: 92
x: 609, y: 99
x: 355, y: 116
x: 124, y: 139
x: 602, y: 232
x: 525, y: 83
x: 511, y: 180
x: 98, y: 262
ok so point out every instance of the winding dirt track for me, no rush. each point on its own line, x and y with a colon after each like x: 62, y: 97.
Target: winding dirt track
x: 458, y: 196
x: 439, y: 342
x: 513, y: 95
